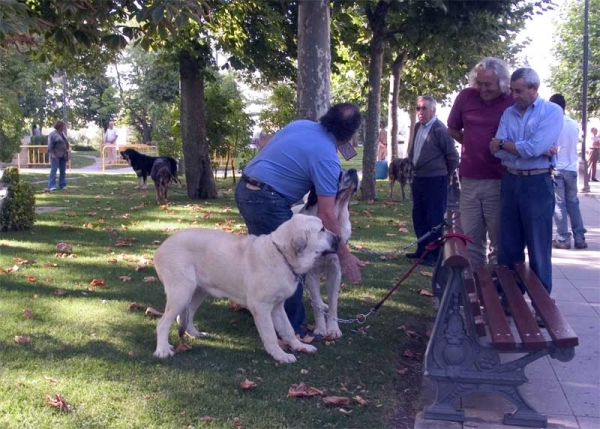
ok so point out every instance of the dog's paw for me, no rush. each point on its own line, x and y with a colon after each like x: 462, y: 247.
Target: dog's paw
x: 306, y: 348
x: 333, y: 334
x: 285, y: 358
x: 162, y: 353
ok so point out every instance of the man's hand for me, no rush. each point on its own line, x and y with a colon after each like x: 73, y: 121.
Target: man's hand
x: 553, y: 150
x: 494, y: 145
x: 350, y: 267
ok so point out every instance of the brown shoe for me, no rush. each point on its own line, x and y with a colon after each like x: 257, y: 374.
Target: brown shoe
x: 581, y: 245
x: 561, y: 244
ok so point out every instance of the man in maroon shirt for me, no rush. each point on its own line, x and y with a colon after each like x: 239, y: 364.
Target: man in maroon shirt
x: 473, y: 122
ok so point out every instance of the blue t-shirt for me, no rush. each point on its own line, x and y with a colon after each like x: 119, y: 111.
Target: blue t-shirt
x: 301, y: 154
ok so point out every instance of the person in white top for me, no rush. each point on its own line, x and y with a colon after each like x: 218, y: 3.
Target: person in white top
x: 567, y: 203
x: 110, y: 137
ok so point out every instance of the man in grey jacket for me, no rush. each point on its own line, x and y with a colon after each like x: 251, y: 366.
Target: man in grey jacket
x: 434, y: 158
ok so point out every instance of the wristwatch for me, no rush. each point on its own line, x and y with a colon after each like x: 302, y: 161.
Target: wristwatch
x: 501, y: 144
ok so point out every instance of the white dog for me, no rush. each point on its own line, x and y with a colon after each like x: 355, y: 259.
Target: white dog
x: 259, y: 272
x: 329, y: 265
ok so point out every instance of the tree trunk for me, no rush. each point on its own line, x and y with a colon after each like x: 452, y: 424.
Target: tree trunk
x: 377, y: 23
x: 397, y: 66
x: 198, y: 172
x: 314, y: 58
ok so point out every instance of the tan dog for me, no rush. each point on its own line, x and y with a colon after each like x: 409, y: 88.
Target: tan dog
x: 329, y: 265
x: 259, y: 272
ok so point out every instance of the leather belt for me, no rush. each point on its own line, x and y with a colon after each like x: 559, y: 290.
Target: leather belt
x: 529, y: 172
x: 257, y: 184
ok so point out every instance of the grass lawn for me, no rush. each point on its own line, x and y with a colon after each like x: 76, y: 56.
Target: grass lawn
x: 88, y: 347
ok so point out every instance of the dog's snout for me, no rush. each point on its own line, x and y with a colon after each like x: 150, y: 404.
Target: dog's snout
x: 334, y: 242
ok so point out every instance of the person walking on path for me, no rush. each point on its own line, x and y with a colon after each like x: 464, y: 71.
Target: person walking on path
x: 473, y: 122
x: 434, y: 158
x: 594, y: 152
x: 523, y: 142
x: 567, y: 202
x: 110, y: 138
x: 58, y: 152
x: 301, y: 155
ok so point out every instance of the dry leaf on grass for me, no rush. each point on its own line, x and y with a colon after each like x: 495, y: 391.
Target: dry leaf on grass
x: 59, y: 292
x: 182, y: 347
x: 302, y: 390
x: 426, y: 273
x: 59, y: 402
x: 23, y: 261
x: 27, y: 314
x: 50, y: 379
x: 402, y: 371
x: 64, y: 248
x: 152, y: 312
x: 402, y: 229
x: 134, y: 306
x: 336, y: 400
x: 149, y: 279
x: 360, y: 401
x: 424, y: 292
x: 125, y: 278
x: 30, y: 278
x: 207, y: 419
x: 97, y: 282
x: 247, y: 384
x: 410, y: 355
x: 22, y: 339
x: 50, y: 265
x: 132, y: 354
x: 237, y: 422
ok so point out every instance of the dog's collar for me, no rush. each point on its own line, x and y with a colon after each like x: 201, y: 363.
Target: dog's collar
x: 287, y: 262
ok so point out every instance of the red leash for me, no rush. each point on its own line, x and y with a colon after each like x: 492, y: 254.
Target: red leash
x: 429, y: 248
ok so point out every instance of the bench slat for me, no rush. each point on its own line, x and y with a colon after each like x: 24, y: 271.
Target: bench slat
x: 474, y: 302
x: 531, y: 336
x: 559, y: 329
x: 500, y: 332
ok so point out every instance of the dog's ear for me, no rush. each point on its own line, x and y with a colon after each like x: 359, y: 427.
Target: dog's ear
x: 299, y: 242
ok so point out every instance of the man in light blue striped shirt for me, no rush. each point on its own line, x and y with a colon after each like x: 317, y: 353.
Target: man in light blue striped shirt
x: 523, y: 142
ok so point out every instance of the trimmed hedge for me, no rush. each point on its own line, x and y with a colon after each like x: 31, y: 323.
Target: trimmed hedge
x: 17, y: 208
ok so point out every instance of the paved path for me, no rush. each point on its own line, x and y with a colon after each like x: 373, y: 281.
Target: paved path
x: 567, y: 392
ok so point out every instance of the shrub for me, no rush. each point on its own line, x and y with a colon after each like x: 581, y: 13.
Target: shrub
x: 38, y: 140
x: 17, y: 208
x: 10, y: 176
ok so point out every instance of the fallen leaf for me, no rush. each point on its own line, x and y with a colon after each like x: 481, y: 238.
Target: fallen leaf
x: 59, y: 402
x: 207, y: 419
x: 134, y: 305
x: 426, y: 273
x: 125, y: 278
x: 50, y: 379
x: 97, y: 282
x: 112, y: 261
x: 302, y: 390
x: 59, y: 292
x: 23, y: 261
x: 346, y: 412
x: 402, y: 229
x: 360, y: 401
x: 247, y: 384
x: 336, y: 400
x: 131, y: 354
x: 149, y: 279
x: 410, y: 355
x: 50, y: 265
x: 402, y: 371
x: 152, y: 312
x: 22, y: 339
x: 27, y: 314
x: 237, y: 422
x: 182, y: 347
x: 424, y: 292
x: 303, y: 371
x: 30, y: 278
x: 156, y: 242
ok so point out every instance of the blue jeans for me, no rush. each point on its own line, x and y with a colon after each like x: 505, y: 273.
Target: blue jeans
x: 59, y: 164
x: 567, y: 204
x: 430, y: 195
x: 526, y: 209
x: 263, y: 211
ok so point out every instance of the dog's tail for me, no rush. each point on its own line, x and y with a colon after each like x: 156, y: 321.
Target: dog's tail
x: 183, y: 317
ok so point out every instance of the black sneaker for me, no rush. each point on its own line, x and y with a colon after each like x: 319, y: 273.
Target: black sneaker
x: 561, y: 244
x: 581, y: 245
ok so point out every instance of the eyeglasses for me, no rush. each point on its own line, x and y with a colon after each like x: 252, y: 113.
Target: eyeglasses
x: 423, y: 108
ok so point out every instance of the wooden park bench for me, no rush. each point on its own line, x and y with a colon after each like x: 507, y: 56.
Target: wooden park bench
x: 35, y: 156
x: 471, y: 333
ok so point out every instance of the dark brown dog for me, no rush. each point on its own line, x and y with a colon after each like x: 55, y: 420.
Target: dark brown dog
x: 162, y: 176
x: 401, y: 171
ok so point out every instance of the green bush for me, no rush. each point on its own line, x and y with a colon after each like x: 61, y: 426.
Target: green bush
x: 82, y: 148
x: 17, y: 208
x: 10, y: 176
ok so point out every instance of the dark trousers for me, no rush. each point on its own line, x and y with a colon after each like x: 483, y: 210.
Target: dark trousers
x: 526, y: 210
x: 263, y: 211
x: 430, y: 196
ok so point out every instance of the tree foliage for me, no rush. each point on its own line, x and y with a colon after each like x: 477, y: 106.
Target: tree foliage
x: 279, y: 110
x: 567, y: 71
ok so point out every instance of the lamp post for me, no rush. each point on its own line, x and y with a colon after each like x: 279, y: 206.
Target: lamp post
x: 584, y: 91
